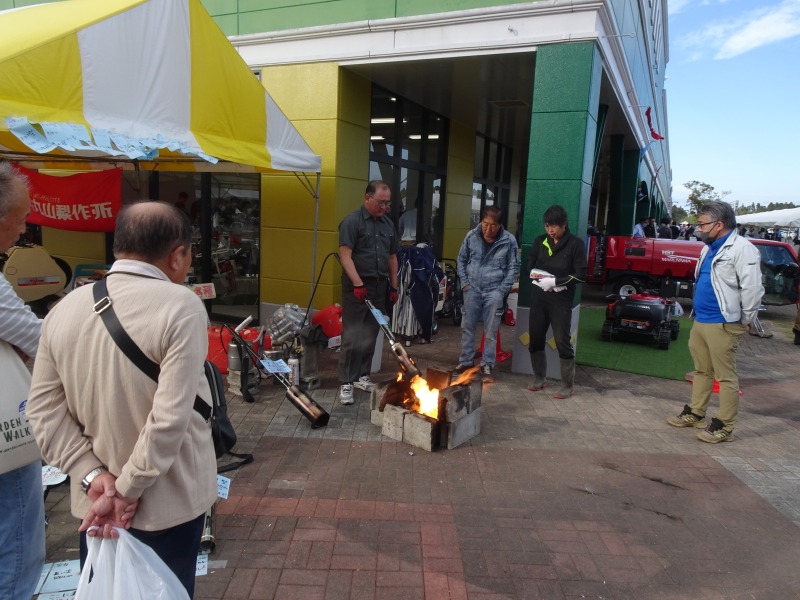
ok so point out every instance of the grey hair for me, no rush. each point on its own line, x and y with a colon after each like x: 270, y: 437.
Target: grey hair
x: 10, y: 178
x: 719, y: 211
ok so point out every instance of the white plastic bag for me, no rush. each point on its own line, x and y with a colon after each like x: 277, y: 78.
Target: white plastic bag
x: 125, y: 568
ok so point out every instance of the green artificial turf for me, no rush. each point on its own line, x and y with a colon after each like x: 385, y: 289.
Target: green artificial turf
x: 629, y: 354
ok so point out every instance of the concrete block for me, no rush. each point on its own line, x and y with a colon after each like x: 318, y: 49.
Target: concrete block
x: 376, y: 417
x: 461, y: 430
x: 392, y: 426
x: 389, y: 392
x: 460, y: 400
x: 438, y: 377
x: 421, y: 431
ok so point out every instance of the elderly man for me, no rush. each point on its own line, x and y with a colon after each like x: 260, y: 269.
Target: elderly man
x: 21, y: 501
x: 137, y: 452
x: 368, y: 252
x: 488, y: 263
x: 726, y: 299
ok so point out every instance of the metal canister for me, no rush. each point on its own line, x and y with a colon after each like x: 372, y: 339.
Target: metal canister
x: 294, y: 365
x: 234, y: 357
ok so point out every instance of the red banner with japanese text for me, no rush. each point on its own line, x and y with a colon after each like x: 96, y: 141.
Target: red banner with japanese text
x: 80, y: 202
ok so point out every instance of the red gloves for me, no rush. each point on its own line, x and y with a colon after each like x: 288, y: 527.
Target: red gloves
x: 360, y: 292
x: 393, y: 295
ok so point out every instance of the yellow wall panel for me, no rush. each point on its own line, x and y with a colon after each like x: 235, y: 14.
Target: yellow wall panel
x: 353, y: 156
x: 452, y: 242
x: 287, y: 204
x: 322, y: 138
x: 355, y: 99
x: 295, y: 292
x: 309, y: 91
x: 287, y: 255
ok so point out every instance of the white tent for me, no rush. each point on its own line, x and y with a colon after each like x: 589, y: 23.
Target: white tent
x: 785, y: 217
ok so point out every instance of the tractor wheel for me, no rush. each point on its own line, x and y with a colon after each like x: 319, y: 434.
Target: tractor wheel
x: 608, y: 330
x: 627, y: 286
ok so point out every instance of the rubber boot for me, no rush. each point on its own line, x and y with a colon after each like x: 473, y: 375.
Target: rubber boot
x: 539, y: 365
x: 567, y: 378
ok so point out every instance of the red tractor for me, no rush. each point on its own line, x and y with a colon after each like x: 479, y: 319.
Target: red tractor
x: 666, y: 267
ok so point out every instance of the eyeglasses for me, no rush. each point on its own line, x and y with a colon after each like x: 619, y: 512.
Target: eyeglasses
x: 701, y: 225
x: 383, y: 203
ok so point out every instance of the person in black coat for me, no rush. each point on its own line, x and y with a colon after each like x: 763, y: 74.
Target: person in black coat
x: 557, y: 262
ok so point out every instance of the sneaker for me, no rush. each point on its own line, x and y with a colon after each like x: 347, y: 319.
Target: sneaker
x: 364, y: 383
x: 687, y: 419
x: 460, y: 369
x: 346, y: 393
x: 715, y: 433
x: 486, y: 374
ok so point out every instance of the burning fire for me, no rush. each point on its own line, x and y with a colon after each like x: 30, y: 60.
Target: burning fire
x: 466, y: 377
x: 428, y: 398
x: 423, y: 399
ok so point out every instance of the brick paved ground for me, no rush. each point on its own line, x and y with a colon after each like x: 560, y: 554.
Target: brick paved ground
x: 591, y: 497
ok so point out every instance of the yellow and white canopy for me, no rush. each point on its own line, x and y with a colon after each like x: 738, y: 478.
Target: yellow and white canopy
x: 151, y: 81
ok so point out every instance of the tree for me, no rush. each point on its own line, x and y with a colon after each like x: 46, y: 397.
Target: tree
x: 700, y: 193
x: 757, y: 207
x: 679, y: 213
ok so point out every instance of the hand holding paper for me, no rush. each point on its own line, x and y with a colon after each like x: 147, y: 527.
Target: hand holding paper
x: 546, y: 283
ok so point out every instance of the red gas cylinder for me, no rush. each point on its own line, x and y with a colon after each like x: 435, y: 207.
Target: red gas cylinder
x: 330, y: 319
x: 218, y: 339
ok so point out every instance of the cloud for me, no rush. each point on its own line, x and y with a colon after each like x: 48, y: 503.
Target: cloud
x: 765, y: 26
x: 736, y: 36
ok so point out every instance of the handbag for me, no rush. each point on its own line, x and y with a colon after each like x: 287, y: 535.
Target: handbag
x: 222, y: 432
x: 17, y: 444
x: 127, y: 568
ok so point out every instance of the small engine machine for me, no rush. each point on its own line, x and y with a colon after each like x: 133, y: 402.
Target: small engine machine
x: 644, y: 316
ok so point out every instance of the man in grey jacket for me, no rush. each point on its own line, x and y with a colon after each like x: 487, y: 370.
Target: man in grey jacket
x: 727, y: 296
x: 488, y: 262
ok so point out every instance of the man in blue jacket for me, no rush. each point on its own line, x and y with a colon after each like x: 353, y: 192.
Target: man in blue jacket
x: 726, y: 299
x: 488, y: 263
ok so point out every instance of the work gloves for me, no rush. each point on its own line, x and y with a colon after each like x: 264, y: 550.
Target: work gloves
x: 393, y: 295
x: 546, y: 283
x: 360, y: 292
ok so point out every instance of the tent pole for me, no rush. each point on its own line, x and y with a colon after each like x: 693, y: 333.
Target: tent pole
x: 314, y: 244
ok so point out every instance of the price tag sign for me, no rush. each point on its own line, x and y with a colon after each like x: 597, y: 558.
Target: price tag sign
x: 223, y: 486
x: 202, y: 565
x: 379, y: 316
x: 276, y: 366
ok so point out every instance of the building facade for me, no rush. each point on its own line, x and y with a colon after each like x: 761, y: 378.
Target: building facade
x: 459, y: 104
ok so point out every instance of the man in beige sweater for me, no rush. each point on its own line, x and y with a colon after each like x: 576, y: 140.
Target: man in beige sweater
x: 137, y: 452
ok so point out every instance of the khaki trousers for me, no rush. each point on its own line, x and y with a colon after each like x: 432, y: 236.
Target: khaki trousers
x: 713, y: 348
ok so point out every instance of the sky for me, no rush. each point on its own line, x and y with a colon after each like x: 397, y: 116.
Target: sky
x: 733, y: 98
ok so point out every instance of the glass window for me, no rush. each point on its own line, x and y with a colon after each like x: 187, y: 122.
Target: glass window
x: 383, y: 122
x: 417, y: 173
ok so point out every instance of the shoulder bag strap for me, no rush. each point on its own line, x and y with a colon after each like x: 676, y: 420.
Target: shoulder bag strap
x: 104, y: 308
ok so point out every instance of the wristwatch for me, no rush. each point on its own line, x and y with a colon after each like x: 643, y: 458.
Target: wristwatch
x: 87, y: 481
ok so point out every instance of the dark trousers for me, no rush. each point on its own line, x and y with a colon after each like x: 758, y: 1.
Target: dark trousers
x: 551, y: 309
x: 176, y: 546
x: 359, y: 328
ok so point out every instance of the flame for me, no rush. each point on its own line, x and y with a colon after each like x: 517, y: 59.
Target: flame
x: 428, y: 398
x: 466, y: 377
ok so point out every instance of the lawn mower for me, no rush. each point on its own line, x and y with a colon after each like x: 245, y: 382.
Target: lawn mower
x: 643, y: 316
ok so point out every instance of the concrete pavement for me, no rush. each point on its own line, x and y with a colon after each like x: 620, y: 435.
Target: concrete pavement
x: 590, y: 497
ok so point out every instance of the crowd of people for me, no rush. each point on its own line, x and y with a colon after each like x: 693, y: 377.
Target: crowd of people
x: 137, y: 450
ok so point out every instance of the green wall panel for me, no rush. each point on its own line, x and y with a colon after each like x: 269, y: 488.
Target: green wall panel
x: 557, y: 145
x: 564, y: 73
x: 220, y: 7
x: 407, y: 8
x: 258, y: 19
